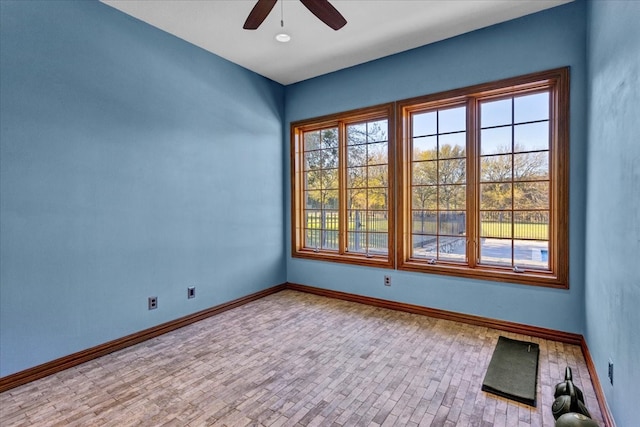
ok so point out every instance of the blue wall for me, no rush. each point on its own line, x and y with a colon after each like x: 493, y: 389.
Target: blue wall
x: 545, y: 40
x: 613, y: 208
x: 119, y: 179
x: 133, y: 164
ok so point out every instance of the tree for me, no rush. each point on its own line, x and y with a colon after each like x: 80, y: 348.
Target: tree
x: 439, y: 179
x: 517, y: 181
x: 321, y: 168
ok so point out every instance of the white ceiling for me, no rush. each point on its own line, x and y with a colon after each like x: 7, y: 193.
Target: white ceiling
x: 375, y: 28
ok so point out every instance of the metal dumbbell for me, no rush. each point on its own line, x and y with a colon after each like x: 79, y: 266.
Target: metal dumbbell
x: 567, y: 403
x: 573, y: 419
x: 561, y: 388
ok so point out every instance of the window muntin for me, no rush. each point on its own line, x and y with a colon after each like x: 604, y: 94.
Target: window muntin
x: 438, y: 184
x: 515, y: 181
x: 321, y: 188
x: 342, y: 170
x: 368, y: 187
x: 509, y: 220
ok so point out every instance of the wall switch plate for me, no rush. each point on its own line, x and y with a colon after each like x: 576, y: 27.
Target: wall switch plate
x: 153, y: 303
x: 191, y: 292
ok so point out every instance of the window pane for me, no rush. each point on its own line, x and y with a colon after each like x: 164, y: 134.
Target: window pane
x: 495, y: 141
x: 329, y: 220
x: 312, y: 141
x: 313, y: 180
x: 330, y: 239
x: 495, y: 224
x: 425, y: 148
x: 357, y: 134
x: 453, y: 145
x: 495, y: 251
x: 377, y: 131
x: 354, y: 222
x: 452, y: 197
x: 371, y: 243
x: 313, y: 219
x: 495, y: 196
x: 330, y: 139
x: 378, y: 243
x: 313, y: 238
x: 424, y: 173
x: 313, y: 199
x: 330, y: 199
x: 379, y: 221
x: 319, y: 159
x: 356, y: 155
x: 495, y: 113
x: 531, y: 195
x: 531, y: 225
x: 452, y: 119
x: 378, y: 153
x: 424, y: 197
x: 330, y: 179
x: 496, y: 168
x: 531, y: 166
x: 357, y: 241
x: 452, y: 171
x: 357, y: 177
x: 425, y: 246
x: 452, y: 248
x: 424, y: 124
x: 329, y: 158
x: 377, y: 198
x: 531, y: 137
x: 424, y: 222
x: 357, y: 199
x: 528, y: 108
x: 313, y: 160
x: 378, y: 176
x: 531, y: 254
x: 452, y: 223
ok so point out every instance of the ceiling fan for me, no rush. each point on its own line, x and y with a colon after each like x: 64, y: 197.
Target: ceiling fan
x: 322, y: 9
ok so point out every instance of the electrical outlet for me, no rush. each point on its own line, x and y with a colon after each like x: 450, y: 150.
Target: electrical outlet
x: 153, y: 303
x: 191, y: 292
x: 387, y: 280
x: 611, y: 371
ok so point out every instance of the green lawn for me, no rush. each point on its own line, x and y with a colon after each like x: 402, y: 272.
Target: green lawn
x: 521, y: 230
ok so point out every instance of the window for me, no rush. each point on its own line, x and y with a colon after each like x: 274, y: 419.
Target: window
x: 484, y: 181
x: 342, y: 199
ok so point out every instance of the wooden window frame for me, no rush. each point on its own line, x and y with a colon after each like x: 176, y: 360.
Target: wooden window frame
x: 557, y: 82
x: 341, y: 121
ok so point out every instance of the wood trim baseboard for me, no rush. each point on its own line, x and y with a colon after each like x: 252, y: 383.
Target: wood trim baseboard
x: 23, y: 377
x: 519, y: 328
x: 502, y: 325
x: 597, y: 386
x: 19, y: 378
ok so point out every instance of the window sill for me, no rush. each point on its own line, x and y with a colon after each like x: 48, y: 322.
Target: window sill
x: 355, y: 259
x: 495, y: 274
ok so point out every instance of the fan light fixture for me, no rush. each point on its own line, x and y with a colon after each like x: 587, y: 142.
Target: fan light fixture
x: 283, y: 37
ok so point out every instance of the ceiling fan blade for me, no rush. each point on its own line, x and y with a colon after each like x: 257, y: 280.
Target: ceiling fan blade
x: 258, y: 14
x: 326, y: 13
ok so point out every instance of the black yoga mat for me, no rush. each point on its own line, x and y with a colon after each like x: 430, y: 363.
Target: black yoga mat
x: 513, y: 371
